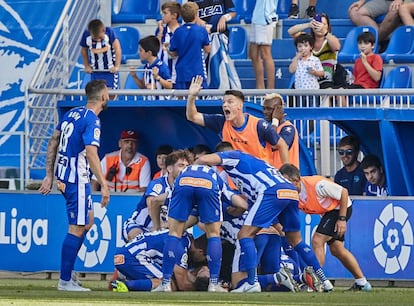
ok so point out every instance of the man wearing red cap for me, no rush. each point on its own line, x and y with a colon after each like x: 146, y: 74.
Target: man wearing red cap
x: 127, y: 170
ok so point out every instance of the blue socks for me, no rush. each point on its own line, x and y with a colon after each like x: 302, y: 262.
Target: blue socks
x: 173, y: 250
x: 308, y: 256
x: 248, y: 259
x: 214, y: 252
x: 70, y: 249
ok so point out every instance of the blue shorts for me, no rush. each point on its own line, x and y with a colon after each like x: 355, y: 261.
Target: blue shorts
x: 276, y: 204
x: 139, y: 267
x: 78, y: 201
x: 112, y: 79
x: 205, y: 196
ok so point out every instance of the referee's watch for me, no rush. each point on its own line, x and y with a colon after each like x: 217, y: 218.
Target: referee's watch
x: 342, y: 218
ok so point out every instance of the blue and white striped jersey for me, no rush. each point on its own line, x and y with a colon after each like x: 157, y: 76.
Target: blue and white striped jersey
x: 104, y: 60
x: 163, y: 55
x: 151, y: 245
x: 252, y: 176
x: 79, y: 128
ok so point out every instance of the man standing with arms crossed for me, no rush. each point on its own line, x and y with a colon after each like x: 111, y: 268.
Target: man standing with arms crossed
x: 75, y: 144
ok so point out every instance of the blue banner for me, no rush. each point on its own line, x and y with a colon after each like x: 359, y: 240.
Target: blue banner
x: 33, y: 226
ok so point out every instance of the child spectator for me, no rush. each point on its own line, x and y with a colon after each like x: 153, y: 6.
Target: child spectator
x: 307, y: 67
x: 189, y: 43
x: 376, y: 182
x: 166, y: 27
x: 161, y: 154
x: 156, y: 73
x: 101, y: 50
x: 368, y: 67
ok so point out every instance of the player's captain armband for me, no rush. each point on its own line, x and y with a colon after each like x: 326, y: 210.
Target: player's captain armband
x: 119, y: 259
x: 288, y: 194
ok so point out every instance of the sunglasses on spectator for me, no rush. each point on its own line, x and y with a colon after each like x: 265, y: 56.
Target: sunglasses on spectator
x: 345, y: 152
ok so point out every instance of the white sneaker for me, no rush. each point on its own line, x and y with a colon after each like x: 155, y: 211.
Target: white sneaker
x: 162, y: 288
x: 284, y: 277
x: 246, y: 287
x: 75, y: 278
x: 70, y: 286
x: 327, y: 286
x: 216, y: 288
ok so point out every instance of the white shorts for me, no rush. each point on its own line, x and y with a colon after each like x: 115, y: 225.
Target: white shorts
x: 262, y: 34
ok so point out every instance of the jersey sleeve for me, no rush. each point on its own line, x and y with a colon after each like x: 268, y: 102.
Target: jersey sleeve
x: 266, y: 133
x: 325, y: 189
x: 214, y: 122
x: 83, y: 39
x: 288, y: 135
x: 92, y: 132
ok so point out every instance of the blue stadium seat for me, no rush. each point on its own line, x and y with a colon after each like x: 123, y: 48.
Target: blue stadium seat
x: 128, y: 38
x: 244, y: 9
x: 283, y: 9
x: 283, y: 49
x: 135, y: 11
x: 398, y: 77
x: 349, y: 51
x: 237, y: 42
x: 401, y: 46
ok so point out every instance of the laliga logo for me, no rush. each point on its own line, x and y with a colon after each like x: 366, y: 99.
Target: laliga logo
x: 393, y: 239
x: 95, y: 247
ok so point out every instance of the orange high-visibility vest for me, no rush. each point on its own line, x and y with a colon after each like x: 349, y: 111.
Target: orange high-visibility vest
x: 293, y: 150
x: 315, y: 204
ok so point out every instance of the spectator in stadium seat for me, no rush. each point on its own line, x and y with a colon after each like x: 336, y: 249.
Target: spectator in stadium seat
x: 350, y: 175
x: 165, y: 31
x: 374, y: 172
x: 294, y: 9
x: 161, y: 154
x: 126, y: 170
x: 101, y: 50
x: 264, y: 21
x: 325, y: 47
x: 368, y: 68
x: 244, y: 131
x: 156, y: 73
x: 406, y: 12
x: 364, y: 13
x: 190, y: 43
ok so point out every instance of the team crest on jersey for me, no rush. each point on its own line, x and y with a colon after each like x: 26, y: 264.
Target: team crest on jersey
x: 96, y: 133
x: 265, y: 124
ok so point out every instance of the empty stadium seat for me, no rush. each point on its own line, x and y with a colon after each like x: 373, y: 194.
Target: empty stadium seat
x: 349, y: 51
x: 134, y: 11
x: 398, y: 77
x: 401, y: 46
x: 129, y: 38
x: 283, y: 49
x: 244, y: 9
x: 237, y: 42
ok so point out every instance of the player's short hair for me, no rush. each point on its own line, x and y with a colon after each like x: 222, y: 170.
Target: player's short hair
x: 224, y: 146
x: 273, y: 96
x: 201, y: 283
x: 200, y: 149
x: 174, y: 156
x: 189, y: 11
x: 164, y: 149
x: 291, y: 171
x: 236, y: 93
x: 95, y: 26
x: 173, y: 6
x: 303, y: 38
x: 150, y: 43
x: 94, y: 89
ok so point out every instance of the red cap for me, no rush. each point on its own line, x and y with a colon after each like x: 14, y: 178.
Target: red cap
x: 129, y: 134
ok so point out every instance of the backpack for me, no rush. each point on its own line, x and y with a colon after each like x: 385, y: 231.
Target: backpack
x: 340, y: 75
